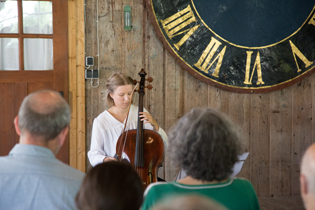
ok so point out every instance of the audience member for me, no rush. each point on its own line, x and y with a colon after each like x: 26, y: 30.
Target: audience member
x: 206, y: 144
x: 30, y: 176
x: 189, y: 202
x: 307, y: 178
x: 110, y: 186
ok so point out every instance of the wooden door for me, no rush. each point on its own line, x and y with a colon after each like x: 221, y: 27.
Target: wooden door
x: 23, y: 69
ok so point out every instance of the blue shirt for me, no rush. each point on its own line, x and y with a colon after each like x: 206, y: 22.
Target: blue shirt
x: 32, y: 178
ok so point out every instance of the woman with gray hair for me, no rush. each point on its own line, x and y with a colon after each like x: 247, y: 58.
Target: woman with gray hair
x: 206, y: 144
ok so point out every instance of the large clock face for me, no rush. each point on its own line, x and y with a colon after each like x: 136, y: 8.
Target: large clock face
x: 242, y: 46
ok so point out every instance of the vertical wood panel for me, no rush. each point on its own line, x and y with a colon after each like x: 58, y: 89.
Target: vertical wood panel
x: 12, y: 95
x: 72, y: 84
x: 155, y: 97
x: 155, y: 100
x: 173, y: 103
x: 218, y: 99
x: 110, y: 37
x: 280, y: 142
x: 81, y: 151
x: 239, y: 111
x: 196, y: 93
x: 7, y: 131
x: 172, y: 89
x: 302, y: 126
x: 91, y: 27
x: 61, y: 65
x: 77, y: 151
x: 260, y: 143
x: 133, y: 45
x: 132, y: 41
x: 93, y: 95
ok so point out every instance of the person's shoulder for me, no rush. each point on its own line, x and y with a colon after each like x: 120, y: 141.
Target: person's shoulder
x: 69, y: 172
x: 102, y: 115
x: 245, y: 188
x: 5, y: 163
x: 63, y: 173
x: 157, y: 186
x: 4, y: 158
x: 103, y: 119
x: 243, y: 183
x: 241, y: 180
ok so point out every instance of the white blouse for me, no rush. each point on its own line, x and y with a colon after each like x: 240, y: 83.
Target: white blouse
x: 106, y: 131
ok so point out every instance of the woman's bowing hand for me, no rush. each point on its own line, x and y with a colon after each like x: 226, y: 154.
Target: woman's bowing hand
x: 106, y: 159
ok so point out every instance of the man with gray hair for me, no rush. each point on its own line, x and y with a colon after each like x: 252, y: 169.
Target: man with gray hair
x: 30, y: 176
x: 307, y: 178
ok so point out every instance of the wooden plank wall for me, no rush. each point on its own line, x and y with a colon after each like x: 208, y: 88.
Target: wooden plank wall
x: 77, y: 150
x: 12, y: 95
x: 277, y: 127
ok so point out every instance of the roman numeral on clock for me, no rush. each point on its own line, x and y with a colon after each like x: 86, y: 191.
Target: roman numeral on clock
x: 204, y: 61
x: 257, y: 66
x: 297, y: 52
x: 175, y: 24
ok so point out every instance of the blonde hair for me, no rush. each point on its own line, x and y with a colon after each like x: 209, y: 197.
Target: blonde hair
x: 114, y: 81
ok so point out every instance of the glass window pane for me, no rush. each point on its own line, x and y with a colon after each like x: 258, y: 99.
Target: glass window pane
x: 38, y: 54
x: 8, y: 17
x: 37, y: 17
x: 9, y: 54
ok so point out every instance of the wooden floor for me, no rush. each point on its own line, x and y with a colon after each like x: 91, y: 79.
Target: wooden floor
x: 281, y: 203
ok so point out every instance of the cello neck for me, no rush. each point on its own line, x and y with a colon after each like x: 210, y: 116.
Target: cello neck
x: 139, y: 153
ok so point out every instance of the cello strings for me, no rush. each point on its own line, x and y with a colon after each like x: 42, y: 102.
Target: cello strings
x: 120, y: 150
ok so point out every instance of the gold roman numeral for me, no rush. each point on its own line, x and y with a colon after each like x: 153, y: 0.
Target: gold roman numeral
x: 174, y: 25
x: 207, y: 55
x: 297, y: 52
x: 248, y: 81
x: 312, y: 20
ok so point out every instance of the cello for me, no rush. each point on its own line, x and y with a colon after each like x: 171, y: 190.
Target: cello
x: 143, y: 147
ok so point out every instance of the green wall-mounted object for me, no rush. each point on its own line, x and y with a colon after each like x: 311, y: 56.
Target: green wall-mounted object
x: 127, y: 17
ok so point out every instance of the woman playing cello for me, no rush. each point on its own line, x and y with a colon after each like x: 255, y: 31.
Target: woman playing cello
x: 108, y: 126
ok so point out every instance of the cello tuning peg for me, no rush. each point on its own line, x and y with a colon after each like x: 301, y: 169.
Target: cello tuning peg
x: 135, y: 82
x: 150, y: 79
x: 149, y: 87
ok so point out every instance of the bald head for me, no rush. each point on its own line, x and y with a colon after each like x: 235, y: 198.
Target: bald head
x: 44, y: 101
x: 44, y: 113
x: 308, y: 168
